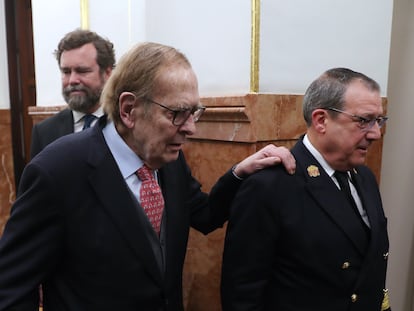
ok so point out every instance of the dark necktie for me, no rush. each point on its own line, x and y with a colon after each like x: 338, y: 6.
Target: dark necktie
x: 342, y: 178
x: 343, y: 181
x: 87, y: 120
x: 151, y: 197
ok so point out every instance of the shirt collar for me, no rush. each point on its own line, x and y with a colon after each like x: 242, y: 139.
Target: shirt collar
x: 126, y: 159
x: 318, y: 156
x: 77, y: 115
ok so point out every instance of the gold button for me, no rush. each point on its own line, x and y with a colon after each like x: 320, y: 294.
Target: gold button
x: 354, y: 297
x: 346, y: 265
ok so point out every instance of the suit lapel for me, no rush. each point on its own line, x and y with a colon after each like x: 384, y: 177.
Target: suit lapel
x: 120, y: 207
x: 174, y: 223
x: 65, y: 124
x: 325, y: 193
x: 372, y: 207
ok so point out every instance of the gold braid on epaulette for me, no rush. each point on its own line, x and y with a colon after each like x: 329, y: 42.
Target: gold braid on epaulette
x: 385, y: 301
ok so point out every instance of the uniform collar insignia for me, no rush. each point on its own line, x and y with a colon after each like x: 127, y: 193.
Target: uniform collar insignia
x: 313, y: 171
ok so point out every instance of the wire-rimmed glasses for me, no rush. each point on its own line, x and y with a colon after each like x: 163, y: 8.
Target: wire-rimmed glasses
x: 364, y: 123
x: 181, y: 115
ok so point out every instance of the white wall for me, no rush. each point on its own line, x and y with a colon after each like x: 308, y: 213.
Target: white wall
x: 4, y: 78
x: 300, y: 39
x: 51, y: 20
x: 123, y: 24
x: 215, y: 36
x: 398, y: 158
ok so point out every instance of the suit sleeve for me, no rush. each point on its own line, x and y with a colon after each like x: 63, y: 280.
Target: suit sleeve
x: 249, y: 244
x: 30, y: 241
x: 209, y: 212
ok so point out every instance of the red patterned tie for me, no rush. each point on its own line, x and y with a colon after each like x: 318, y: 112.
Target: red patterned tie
x: 151, y: 197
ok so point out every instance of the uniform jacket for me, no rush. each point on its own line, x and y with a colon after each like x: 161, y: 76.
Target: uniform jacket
x: 293, y: 243
x: 76, y: 229
x: 50, y: 129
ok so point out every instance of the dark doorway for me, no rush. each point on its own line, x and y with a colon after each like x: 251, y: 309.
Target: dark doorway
x: 19, y: 33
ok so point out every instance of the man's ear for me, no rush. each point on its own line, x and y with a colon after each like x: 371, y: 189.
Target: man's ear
x: 319, y: 120
x: 127, y: 104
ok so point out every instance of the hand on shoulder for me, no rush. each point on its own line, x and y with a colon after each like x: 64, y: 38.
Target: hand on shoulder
x: 265, y: 157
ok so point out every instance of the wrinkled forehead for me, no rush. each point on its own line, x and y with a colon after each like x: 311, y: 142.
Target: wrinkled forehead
x: 177, y: 78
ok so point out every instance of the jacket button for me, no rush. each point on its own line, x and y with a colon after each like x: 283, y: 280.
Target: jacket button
x: 354, y: 297
x: 346, y: 265
x: 385, y: 256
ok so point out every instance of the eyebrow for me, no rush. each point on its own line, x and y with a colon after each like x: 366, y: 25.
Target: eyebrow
x: 76, y: 68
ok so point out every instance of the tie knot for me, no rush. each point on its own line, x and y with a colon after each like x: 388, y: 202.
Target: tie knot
x: 87, y: 120
x: 341, y: 175
x: 343, y: 180
x: 145, y: 173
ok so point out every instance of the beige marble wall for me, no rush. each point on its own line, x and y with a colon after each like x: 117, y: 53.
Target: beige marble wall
x: 7, y: 188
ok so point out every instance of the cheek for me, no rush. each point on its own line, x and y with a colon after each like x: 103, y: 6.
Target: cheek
x: 65, y: 81
x: 90, y: 83
x: 348, y: 144
x: 164, y: 129
x: 157, y: 138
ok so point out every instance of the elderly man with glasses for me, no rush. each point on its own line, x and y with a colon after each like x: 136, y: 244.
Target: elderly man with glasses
x: 103, y: 216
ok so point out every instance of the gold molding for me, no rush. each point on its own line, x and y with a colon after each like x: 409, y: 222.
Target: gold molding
x: 84, y: 11
x: 255, y: 47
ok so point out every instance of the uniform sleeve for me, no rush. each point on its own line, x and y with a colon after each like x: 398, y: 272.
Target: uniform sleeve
x: 249, y: 246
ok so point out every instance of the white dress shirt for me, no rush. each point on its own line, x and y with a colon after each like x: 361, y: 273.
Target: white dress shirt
x: 78, y: 119
x: 330, y: 171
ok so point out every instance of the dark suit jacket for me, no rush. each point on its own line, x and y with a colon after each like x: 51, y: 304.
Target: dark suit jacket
x: 294, y: 244
x: 76, y: 229
x: 50, y: 129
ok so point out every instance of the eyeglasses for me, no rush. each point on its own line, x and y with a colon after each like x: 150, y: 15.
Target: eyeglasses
x: 364, y: 123
x: 180, y: 116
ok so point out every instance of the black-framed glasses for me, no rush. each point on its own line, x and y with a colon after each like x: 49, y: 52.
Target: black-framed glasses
x: 181, y: 115
x: 364, y: 123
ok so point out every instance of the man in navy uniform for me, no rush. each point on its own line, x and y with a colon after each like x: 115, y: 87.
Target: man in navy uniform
x: 316, y: 240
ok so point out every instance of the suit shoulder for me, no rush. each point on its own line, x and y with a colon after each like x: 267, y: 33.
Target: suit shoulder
x: 70, y: 148
x: 363, y: 169
x: 272, y: 174
x: 62, y: 115
x: 365, y: 172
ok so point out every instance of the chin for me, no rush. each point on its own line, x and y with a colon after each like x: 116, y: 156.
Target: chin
x: 172, y: 156
x: 357, y: 162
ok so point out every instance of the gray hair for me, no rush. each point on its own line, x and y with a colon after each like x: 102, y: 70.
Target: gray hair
x: 138, y: 72
x: 328, y: 90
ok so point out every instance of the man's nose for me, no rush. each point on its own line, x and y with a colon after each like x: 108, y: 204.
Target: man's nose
x: 189, y: 126
x: 374, y: 133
